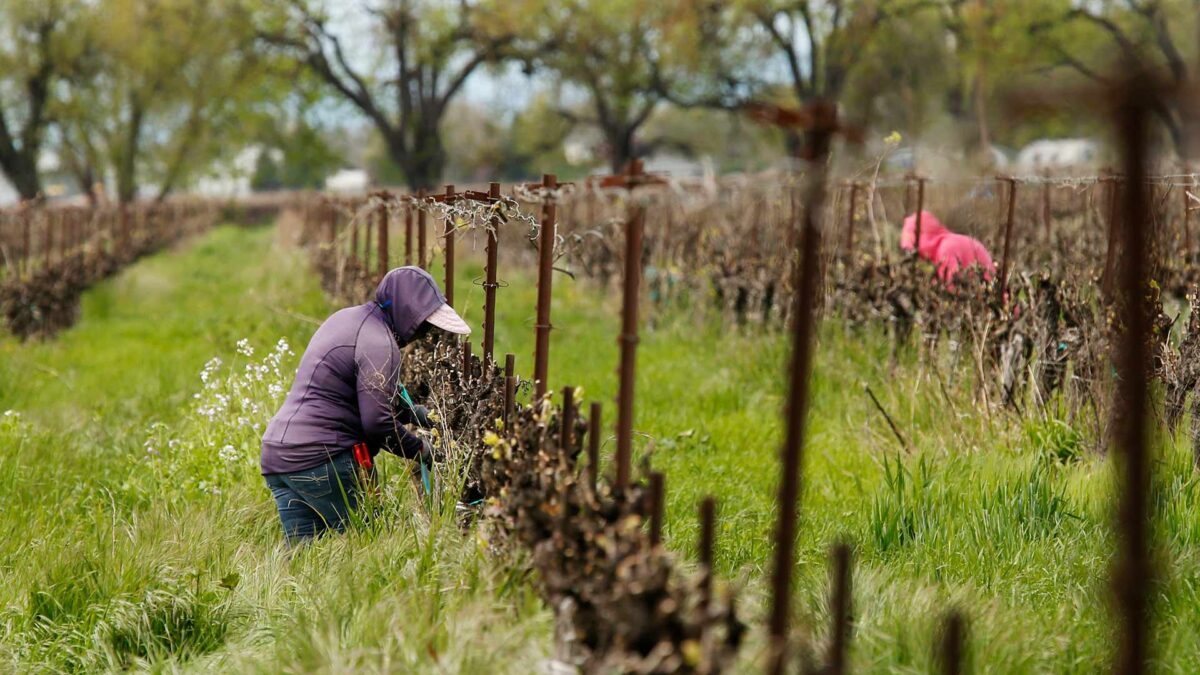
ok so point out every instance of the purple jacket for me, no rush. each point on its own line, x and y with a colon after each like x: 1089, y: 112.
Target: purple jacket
x: 346, y: 388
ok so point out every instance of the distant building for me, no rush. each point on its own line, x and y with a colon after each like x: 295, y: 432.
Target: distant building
x: 348, y: 180
x: 1059, y: 153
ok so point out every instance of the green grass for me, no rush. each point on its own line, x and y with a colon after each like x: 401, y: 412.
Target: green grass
x: 117, y: 557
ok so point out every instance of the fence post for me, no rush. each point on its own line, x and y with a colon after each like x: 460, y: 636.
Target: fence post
x: 629, y: 333
x: 1008, y: 225
x: 421, y: 262
x: 449, y: 231
x: 840, y: 599
x: 954, y: 638
x: 541, y: 354
x: 566, y: 428
x: 490, y: 283
x: 825, y: 123
x: 1133, y: 574
x: 1187, y: 227
x: 466, y: 361
x: 593, y: 448
x: 854, y: 187
x: 408, y: 232
x: 369, y: 226
x: 1114, y: 191
x: 654, y: 506
x: 382, y: 254
x: 706, y: 547
x: 920, y: 212
x: 510, y: 388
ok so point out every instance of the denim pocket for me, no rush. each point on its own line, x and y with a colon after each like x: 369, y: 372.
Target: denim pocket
x: 313, y: 483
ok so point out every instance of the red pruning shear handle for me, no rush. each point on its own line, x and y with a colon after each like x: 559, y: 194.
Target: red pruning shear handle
x: 362, y: 455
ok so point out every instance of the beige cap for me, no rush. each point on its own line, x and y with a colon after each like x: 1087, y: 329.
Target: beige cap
x: 447, y: 319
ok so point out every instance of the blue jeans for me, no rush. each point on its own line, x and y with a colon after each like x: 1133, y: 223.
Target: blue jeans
x: 317, y: 499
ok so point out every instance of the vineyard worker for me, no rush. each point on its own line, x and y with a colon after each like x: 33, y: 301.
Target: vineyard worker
x: 947, y: 250
x: 345, y: 404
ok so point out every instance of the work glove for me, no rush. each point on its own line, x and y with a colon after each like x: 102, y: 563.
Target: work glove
x: 422, y: 417
x: 417, y: 414
x: 426, y: 456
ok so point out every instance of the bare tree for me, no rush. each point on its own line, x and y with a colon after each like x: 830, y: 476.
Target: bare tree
x: 1140, y: 32
x: 432, y: 49
x: 36, y: 56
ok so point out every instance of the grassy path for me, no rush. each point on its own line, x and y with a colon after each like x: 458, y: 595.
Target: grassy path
x: 114, y: 557
x: 1006, y: 518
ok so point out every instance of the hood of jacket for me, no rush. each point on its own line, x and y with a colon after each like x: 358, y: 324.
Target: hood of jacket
x: 407, y: 296
x: 932, y: 232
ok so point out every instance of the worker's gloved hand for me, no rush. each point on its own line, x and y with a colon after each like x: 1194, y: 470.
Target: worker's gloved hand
x: 418, y: 415
x: 421, y: 417
x: 426, y: 456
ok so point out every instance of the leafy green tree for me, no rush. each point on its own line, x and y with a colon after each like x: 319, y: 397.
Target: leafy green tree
x: 904, y: 78
x: 1157, y: 36
x: 39, y: 46
x: 167, y: 89
x: 611, y: 51
x: 426, y: 52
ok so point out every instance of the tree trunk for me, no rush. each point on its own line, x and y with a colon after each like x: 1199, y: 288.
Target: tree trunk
x: 424, y: 164
x: 127, y: 166
x: 985, y: 140
x: 620, y: 148
x: 23, y: 175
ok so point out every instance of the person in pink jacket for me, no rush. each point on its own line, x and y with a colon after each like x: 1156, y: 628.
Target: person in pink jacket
x: 949, y: 251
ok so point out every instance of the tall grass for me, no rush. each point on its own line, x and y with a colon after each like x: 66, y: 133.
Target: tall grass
x: 119, y: 549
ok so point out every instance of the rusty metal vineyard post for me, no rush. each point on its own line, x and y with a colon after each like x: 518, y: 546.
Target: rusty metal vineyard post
x: 1187, y: 227
x: 821, y: 120
x: 706, y: 546
x: 919, y: 215
x: 1114, y: 190
x: 408, y: 231
x: 449, y: 233
x: 840, y: 610
x: 491, y: 283
x: 566, y: 435
x: 628, y: 339
x: 541, y: 352
x: 421, y: 261
x: 1133, y: 574
x: 655, y: 494
x: 854, y: 188
x: 1002, y: 288
x: 593, y: 447
x: 466, y: 362
x: 382, y: 255
x: 510, y: 387
x: 952, y: 647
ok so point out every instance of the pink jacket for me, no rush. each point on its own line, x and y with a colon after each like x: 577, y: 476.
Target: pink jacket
x: 949, y: 251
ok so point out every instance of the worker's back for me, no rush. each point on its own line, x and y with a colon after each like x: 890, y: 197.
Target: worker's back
x: 320, y: 415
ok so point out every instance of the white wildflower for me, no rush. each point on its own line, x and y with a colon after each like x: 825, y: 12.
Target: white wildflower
x: 244, y: 348
x: 229, y: 454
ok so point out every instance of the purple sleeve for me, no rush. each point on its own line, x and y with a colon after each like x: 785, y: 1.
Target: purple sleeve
x: 377, y: 366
